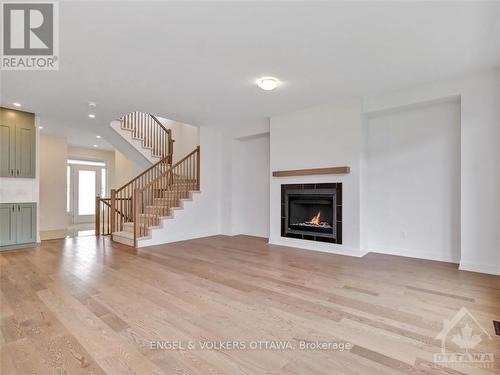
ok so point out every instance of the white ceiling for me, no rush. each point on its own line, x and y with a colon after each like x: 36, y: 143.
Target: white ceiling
x: 197, y: 62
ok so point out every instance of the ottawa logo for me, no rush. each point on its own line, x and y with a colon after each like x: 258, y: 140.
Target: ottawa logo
x: 460, y: 339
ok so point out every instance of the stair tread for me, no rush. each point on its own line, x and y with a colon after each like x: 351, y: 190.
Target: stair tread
x: 142, y: 225
x: 127, y: 235
x: 124, y: 234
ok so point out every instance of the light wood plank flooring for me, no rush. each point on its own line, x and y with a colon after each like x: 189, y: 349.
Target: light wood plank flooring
x: 86, y: 306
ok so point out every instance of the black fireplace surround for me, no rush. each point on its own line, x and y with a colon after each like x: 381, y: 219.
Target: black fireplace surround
x: 312, y: 212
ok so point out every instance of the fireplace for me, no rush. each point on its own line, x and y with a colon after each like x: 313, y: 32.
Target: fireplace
x: 312, y: 212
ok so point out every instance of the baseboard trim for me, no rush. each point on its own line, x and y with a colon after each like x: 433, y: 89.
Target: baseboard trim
x: 24, y: 246
x: 317, y: 246
x: 492, y: 269
x: 192, y: 236
x: 418, y: 255
x: 53, y: 234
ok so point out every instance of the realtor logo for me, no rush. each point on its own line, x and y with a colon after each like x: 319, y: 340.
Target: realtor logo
x: 459, y: 337
x: 30, y: 39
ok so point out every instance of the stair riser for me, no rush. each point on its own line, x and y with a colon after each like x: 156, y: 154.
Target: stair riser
x: 183, y: 190
x: 166, y: 202
x: 162, y: 210
x: 150, y: 221
x: 173, y: 194
x: 128, y: 228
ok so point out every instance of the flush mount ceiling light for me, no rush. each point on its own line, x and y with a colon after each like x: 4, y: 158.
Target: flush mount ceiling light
x: 268, y: 83
x: 16, y: 104
x: 91, y: 115
x: 98, y: 136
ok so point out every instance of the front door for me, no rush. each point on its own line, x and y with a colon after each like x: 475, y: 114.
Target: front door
x: 87, y: 184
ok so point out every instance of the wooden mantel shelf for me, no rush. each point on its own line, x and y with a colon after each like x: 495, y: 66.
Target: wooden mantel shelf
x: 312, y: 171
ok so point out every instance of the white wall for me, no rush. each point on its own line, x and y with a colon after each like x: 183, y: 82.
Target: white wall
x: 53, y: 161
x: 16, y: 190
x: 228, y: 163
x: 323, y: 136
x: 250, y: 185
x: 186, y: 137
x: 121, y: 169
x: 125, y: 169
x: 413, y: 181
x: 54, y: 153
x: 480, y: 158
x: 332, y: 135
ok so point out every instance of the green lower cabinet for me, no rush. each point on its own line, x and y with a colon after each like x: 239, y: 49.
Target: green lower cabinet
x: 7, y: 224
x: 17, y: 223
x: 26, y: 223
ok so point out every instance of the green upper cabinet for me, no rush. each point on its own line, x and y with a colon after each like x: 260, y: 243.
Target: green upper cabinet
x: 25, y: 151
x: 17, y: 143
x: 7, y: 150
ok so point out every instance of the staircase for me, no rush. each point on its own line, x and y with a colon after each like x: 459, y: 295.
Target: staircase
x: 146, y: 134
x: 140, y: 205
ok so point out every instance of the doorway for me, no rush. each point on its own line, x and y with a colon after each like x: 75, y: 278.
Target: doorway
x: 86, y: 180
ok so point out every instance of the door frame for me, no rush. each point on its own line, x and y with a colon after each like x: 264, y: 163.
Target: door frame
x: 75, y: 168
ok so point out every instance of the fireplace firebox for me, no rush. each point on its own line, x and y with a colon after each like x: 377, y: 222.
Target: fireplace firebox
x: 312, y: 212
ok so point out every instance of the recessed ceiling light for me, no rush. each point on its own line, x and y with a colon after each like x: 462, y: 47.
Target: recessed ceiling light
x: 91, y: 115
x: 95, y: 146
x: 40, y: 127
x: 92, y: 104
x: 98, y: 136
x: 17, y: 104
x: 267, y: 83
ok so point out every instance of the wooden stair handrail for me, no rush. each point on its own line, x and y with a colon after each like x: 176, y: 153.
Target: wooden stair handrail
x: 162, y: 161
x: 171, y: 168
x: 169, y: 132
x: 153, y: 134
x: 169, y: 187
x: 159, y: 123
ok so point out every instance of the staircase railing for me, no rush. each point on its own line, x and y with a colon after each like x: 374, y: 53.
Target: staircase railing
x: 156, y: 198
x: 122, y: 199
x: 151, y: 132
x: 102, y: 216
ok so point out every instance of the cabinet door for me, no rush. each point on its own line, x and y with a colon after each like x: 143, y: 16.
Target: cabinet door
x: 7, y: 224
x: 26, y: 223
x: 7, y: 153
x: 25, y: 150
x: 17, y: 143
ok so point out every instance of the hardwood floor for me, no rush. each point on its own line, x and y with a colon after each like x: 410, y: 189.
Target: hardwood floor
x: 84, y: 305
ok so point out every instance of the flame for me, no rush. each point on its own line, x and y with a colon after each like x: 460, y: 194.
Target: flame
x: 315, y: 219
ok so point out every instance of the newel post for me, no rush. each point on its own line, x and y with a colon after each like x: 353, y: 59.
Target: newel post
x: 136, y: 214
x: 198, y: 167
x: 170, y: 142
x: 97, y: 215
x: 113, y: 212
